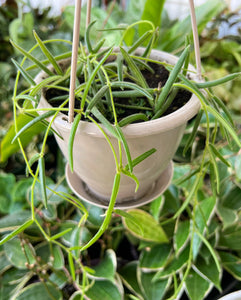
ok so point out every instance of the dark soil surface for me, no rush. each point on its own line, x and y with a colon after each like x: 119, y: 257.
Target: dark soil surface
x: 156, y: 79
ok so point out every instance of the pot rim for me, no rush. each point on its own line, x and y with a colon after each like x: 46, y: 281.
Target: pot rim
x: 163, y: 124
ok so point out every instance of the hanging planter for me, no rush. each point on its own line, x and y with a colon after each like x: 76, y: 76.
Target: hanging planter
x: 93, y: 163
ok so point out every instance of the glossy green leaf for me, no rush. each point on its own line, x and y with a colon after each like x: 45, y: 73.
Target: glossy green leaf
x: 59, y: 278
x: 231, y: 240
x: 175, y: 265
x: 7, y: 147
x: 196, y: 286
x: 4, y: 263
x: 152, y: 12
x: 155, y: 258
x: 202, y: 215
x: 7, y: 182
x: 156, y: 207
x: 151, y: 230
x: 227, y: 215
x: 107, y: 267
x: 128, y: 274
x: 104, y: 289
x: 13, y: 221
x: 232, y: 199
x: 181, y: 235
x: 152, y: 290
x: 15, y: 254
x: 38, y: 291
x: 58, y: 262
x: 209, y: 270
x: 231, y: 263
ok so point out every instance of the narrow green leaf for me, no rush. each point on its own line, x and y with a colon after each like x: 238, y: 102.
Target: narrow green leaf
x: 133, y: 118
x: 92, y: 77
x: 16, y: 231
x: 224, y: 108
x: 48, y: 54
x: 123, y: 84
x: 171, y: 79
x: 105, y: 122
x: 71, y: 265
x: 225, y: 124
x: 141, y: 157
x: 24, y: 73
x: 98, y: 46
x: 202, y: 85
x: 215, y: 168
x: 193, y: 134
x: 71, y: 141
x: 37, y: 88
x: 134, y: 69
x: 119, y: 61
x: 42, y: 178
x: 126, y: 147
x: 219, y: 155
x: 33, y: 122
x: 140, y: 41
x: 87, y: 37
x: 98, y: 96
x: 33, y: 59
x: 60, y: 234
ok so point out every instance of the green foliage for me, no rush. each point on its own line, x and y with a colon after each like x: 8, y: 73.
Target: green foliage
x: 56, y: 247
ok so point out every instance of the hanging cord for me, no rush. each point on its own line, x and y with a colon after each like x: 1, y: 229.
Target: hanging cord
x: 195, y: 40
x: 74, y: 59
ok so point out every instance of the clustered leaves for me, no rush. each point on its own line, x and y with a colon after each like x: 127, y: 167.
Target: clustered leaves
x: 182, y: 240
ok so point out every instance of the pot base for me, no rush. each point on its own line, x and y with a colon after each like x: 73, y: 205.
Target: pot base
x: 79, y: 188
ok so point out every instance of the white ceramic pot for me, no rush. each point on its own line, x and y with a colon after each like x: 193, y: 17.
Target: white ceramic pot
x: 232, y: 296
x: 93, y: 160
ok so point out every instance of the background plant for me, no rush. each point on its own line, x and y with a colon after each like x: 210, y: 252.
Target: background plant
x: 206, y: 227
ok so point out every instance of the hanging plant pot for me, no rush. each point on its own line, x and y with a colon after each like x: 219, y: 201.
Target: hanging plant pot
x: 94, y: 165
x: 232, y: 296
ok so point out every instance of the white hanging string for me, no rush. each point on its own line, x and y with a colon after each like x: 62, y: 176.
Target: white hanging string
x: 75, y: 46
x: 195, y: 39
x: 88, y: 15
